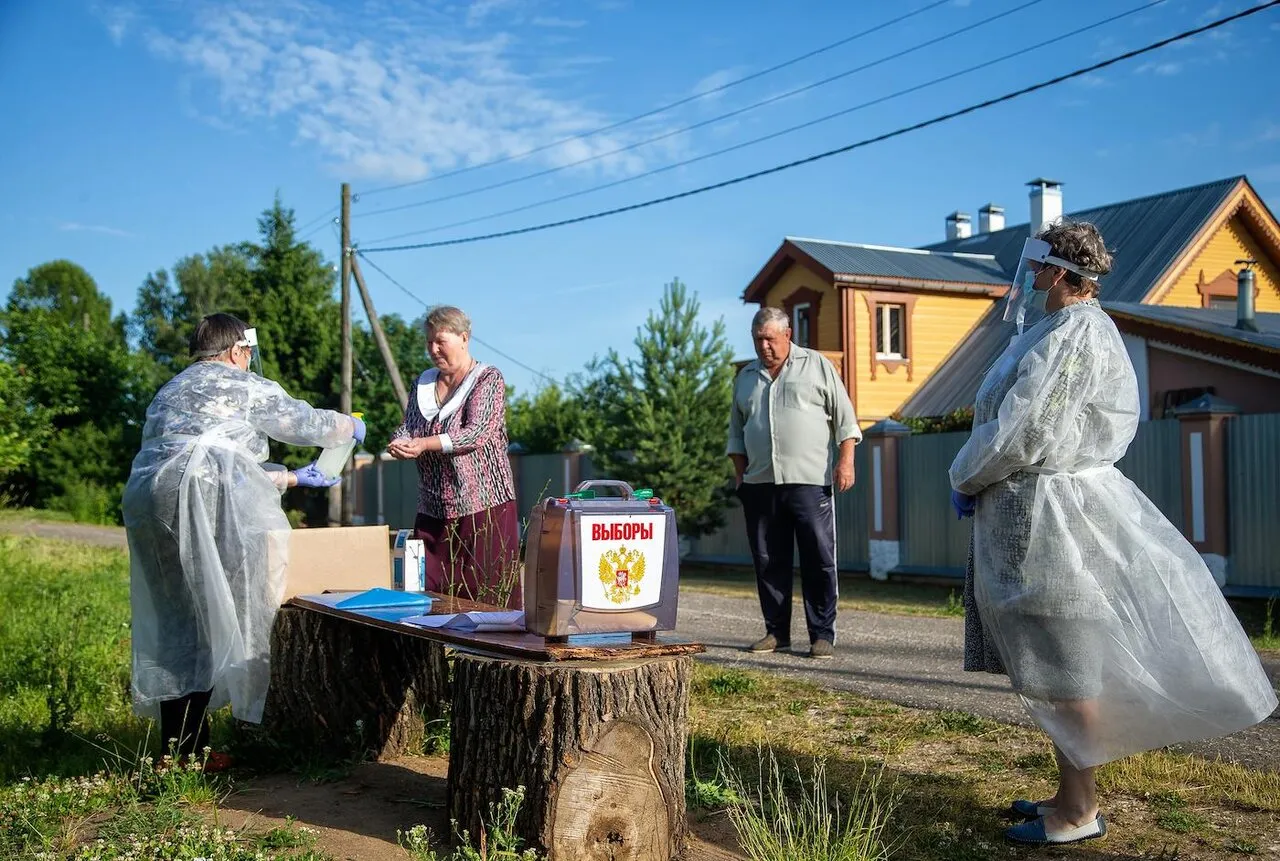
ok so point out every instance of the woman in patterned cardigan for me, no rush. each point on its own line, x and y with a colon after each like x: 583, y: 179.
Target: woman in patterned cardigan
x: 455, y: 428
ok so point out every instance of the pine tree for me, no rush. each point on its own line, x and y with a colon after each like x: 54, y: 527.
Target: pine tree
x: 665, y: 412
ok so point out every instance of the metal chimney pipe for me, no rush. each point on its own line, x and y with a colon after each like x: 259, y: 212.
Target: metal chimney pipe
x: 1244, y: 297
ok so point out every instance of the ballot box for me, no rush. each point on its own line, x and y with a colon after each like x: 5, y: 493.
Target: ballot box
x: 602, y: 559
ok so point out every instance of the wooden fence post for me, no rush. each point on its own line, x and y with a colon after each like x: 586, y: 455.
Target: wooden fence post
x: 1204, y: 424
x: 885, y: 548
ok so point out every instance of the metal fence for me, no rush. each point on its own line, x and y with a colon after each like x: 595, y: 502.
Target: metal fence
x: 728, y: 545
x: 1154, y: 463
x: 1253, y: 494
x: 933, y: 541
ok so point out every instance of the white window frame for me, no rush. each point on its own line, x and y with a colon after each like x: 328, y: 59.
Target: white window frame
x: 883, y: 330
x: 799, y: 312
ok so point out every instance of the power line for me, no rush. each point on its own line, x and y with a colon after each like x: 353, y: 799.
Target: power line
x: 484, y: 344
x: 777, y: 134
x: 662, y: 108
x: 1128, y: 55
x: 328, y: 213
x: 710, y: 121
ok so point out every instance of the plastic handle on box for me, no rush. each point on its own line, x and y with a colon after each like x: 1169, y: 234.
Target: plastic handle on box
x: 627, y: 492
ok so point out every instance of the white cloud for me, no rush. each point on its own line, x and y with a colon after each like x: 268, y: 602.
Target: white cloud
x: 77, y: 227
x: 558, y: 23
x: 479, y: 10
x: 118, y: 20
x: 1165, y: 69
x: 714, y: 81
x: 383, y: 95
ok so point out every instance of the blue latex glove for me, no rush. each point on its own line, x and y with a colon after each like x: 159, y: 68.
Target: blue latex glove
x: 309, y: 476
x: 964, y: 504
x: 359, y: 430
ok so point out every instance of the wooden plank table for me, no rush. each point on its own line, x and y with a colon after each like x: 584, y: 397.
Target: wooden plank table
x: 523, y: 645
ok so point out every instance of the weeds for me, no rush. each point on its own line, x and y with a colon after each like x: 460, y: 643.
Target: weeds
x: 498, y: 840
x: 802, y: 822
x: 730, y: 683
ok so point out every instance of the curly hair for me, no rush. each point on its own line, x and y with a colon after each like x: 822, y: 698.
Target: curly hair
x: 1080, y: 243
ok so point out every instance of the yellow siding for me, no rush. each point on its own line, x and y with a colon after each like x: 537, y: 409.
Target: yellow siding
x: 937, y: 324
x: 1232, y: 242
x: 828, y: 322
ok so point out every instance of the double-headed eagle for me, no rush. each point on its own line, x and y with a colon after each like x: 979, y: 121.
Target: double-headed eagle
x: 621, y: 571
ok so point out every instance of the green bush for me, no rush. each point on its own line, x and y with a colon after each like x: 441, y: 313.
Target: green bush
x: 87, y: 502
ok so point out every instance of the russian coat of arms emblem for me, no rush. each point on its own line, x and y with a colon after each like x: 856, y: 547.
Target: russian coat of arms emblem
x: 621, y: 571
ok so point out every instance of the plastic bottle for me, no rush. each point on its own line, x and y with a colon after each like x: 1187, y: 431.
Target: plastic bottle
x: 332, y: 460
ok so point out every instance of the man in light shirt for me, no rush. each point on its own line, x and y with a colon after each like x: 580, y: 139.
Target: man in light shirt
x: 790, y: 408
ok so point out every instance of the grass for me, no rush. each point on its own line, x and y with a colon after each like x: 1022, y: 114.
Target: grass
x: 1261, y: 621
x: 950, y: 775
x: 77, y: 780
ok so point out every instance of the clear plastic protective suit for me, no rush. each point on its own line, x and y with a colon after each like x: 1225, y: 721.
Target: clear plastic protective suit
x: 201, y: 513
x: 1107, y: 620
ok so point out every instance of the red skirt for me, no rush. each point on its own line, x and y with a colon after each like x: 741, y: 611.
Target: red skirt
x: 476, y: 556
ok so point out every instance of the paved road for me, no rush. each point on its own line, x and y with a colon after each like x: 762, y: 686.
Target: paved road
x: 107, y: 536
x: 913, y: 661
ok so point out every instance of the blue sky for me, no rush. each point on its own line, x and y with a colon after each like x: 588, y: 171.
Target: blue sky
x: 138, y: 133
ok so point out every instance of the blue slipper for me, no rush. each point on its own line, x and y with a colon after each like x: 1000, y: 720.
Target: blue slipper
x: 1034, y: 834
x: 1030, y: 809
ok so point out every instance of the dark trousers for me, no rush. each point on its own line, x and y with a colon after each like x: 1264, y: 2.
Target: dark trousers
x: 780, y: 518
x: 187, y: 720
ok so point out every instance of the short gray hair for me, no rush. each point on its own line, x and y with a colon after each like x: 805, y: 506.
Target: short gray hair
x: 447, y: 318
x: 769, y: 316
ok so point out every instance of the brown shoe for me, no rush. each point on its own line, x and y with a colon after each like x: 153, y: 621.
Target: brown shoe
x: 822, y: 650
x: 766, y: 644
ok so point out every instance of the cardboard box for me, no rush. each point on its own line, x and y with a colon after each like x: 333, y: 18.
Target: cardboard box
x: 340, y: 557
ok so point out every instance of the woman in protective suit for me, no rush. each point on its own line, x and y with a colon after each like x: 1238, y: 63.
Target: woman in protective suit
x: 1106, y: 619
x: 201, y: 510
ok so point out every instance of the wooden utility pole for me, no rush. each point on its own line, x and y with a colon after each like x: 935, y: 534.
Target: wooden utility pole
x: 348, y: 496
x: 380, y: 337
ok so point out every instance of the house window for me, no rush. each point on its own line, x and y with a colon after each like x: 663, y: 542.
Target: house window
x: 891, y: 332
x: 1225, y: 303
x: 802, y: 324
x: 802, y: 307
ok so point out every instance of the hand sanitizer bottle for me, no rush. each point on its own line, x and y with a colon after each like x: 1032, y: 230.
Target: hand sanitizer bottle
x: 332, y: 460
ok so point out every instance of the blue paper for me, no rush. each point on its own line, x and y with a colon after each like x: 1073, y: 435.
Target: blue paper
x: 379, y: 597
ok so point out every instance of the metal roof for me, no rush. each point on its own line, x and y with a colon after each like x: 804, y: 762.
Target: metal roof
x: 846, y: 258
x: 1219, y: 322
x: 1146, y: 235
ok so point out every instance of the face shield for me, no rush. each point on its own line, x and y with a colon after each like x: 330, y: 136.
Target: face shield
x: 1020, y: 304
x: 250, y: 340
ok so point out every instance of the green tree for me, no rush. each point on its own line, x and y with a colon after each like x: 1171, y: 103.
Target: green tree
x: 75, y: 376
x: 25, y: 425
x: 546, y: 420
x: 290, y: 301
x: 166, y: 313
x: 66, y: 291
x: 669, y: 406
x: 372, y: 392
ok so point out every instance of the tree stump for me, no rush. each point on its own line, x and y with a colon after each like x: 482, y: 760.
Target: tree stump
x: 598, y: 747
x: 351, y: 690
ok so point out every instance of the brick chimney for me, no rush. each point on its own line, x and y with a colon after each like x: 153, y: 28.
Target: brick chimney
x: 990, y: 218
x: 959, y: 226
x: 1046, y: 203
